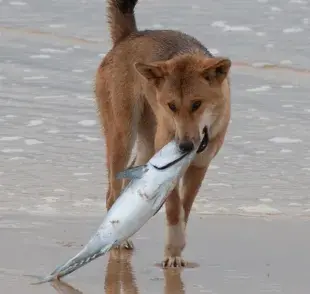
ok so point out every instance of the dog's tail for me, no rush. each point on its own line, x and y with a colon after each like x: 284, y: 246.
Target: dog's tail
x: 121, y: 18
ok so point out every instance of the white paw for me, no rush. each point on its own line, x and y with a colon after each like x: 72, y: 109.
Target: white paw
x: 173, y: 261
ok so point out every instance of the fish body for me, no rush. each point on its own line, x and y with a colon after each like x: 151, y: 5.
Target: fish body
x: 142, y: 198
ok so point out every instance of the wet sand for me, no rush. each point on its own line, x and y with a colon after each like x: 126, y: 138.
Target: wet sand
x: 227, y: 255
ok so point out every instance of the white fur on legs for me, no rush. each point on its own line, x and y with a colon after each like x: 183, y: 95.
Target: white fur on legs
x: 175, y: 243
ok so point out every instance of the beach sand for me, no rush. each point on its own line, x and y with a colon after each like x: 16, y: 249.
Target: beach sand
x: 234, y: 255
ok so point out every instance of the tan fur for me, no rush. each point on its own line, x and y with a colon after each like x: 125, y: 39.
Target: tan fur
x: 147, y: 90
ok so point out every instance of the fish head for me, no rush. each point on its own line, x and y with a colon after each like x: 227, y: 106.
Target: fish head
x: 172, y: 159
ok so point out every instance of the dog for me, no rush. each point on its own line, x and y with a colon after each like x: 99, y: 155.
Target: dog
x: 154, y: 86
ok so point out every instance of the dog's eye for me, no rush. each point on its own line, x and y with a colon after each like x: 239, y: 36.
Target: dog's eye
x: 172, y: 107
x: 196, y: 105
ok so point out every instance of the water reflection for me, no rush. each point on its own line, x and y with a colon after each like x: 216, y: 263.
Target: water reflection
x: 120, y: 278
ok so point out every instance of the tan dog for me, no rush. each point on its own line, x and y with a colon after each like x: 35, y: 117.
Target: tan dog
x: 154, y: 86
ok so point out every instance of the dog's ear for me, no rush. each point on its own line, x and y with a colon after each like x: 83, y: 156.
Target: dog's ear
x: 154, y: 72
x: 216, y: 69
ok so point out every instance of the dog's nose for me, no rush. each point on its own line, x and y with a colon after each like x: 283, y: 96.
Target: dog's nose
x: 186, y: 146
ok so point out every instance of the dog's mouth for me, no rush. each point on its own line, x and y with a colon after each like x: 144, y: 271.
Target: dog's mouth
x: 205, y: 140
x: 172, y: 162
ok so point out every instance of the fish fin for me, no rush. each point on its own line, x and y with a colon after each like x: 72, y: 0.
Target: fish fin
x: 160, y: 206
x: 41, y: 279
x: 79, y: 261
x: 135, y: 172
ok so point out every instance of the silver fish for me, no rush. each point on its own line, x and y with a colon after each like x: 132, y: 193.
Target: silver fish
x: 141, y: 199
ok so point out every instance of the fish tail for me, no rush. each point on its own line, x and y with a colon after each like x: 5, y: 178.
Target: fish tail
x: 73, y: 264
x: 41, y: 279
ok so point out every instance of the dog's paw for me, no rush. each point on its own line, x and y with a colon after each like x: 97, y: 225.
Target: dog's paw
x: 128, y: 245
x: 173, y: 261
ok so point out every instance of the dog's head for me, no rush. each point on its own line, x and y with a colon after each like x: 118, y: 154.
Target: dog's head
x: 188, y: 91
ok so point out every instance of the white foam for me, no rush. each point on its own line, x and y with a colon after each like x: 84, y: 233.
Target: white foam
x: 227, y: 28
x: 40, y: 56
x: 299, y: 1
x: 12, y: 150
x: 306, y: 168
x: 287, y: 105
x: 10, y: 116
x: 44, y: 209
x: 266, y: 200
x: 275, y: 9
x: 53, y: 131
x: 87, y: 123
x: 260, y: 152
x: 218, y: 24
x: 293, y: 30
x: 222, y: 210
x: 88, y: 138
x: 237, y: 29
x: 218, y: 185
x: 57, y: 25
x: 284, y: 140
x: 269, y: 45
x: 261, y: 64
x: 50, y: 96
x: 194, y: 6
x: 2, y: 78
x: 157, y: 26
x: 294, y: 204
x: 35, y: 78
x: 17, y: 158
x: 260, y: 34
x: 59, y: 190
x: 51, y: 199
x: 285, y: 151
x: 307, y: 110
x: 259, y: 89
x: 286, y: 62
x: 30, y: 142
x: 212, y: 166
x: 35, y: 122
x: 259, y: 209
x: 78, y: 70
x: 52, y: 50
x: 18, y: 3
x: 287, y: 86
x: 10, y: 138
x: 81, y: 174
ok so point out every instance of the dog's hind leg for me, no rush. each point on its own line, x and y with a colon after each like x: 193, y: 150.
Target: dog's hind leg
x: 119, y: 119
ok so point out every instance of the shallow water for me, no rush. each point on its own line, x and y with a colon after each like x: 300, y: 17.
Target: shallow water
x: 52, y: 157
x: 51, y: 148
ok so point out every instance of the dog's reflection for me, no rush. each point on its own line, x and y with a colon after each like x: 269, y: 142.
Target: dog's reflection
x: 120, y: 277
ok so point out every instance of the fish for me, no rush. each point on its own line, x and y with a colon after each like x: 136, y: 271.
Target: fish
x: 148, y: 188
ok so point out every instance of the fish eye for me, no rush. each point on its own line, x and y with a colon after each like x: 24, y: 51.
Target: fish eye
x: 172, y: 106
x: 196, y: 105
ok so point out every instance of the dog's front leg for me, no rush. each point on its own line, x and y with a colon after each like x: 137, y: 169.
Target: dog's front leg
x: 175, y: 229
x: 177, y: 214
x: 191, y: 183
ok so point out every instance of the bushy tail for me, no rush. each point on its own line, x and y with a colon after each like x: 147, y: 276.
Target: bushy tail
x: 121, y: 18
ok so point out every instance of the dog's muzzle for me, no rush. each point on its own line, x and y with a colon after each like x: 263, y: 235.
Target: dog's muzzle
x: 205, y: 140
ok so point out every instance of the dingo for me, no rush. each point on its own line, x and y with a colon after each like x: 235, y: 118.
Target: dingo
x: 152, y: 86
